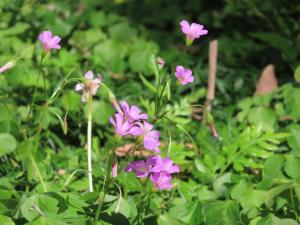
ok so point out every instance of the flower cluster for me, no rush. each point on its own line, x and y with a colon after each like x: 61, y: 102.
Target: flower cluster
x: 192, y: 32
x: 157, y: 168
x: 131, y: 121
x: 90, y: 86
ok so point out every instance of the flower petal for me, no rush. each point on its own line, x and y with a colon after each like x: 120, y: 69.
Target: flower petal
x: 89, y: 75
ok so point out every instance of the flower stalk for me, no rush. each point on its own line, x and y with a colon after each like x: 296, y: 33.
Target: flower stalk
x: 89, y: 142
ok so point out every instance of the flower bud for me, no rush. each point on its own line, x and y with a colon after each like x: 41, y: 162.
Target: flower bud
x: 7, y: 66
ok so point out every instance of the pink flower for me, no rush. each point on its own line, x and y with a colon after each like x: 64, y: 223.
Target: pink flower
x: 192, y: 31
x: 122, y: 128
x: 165, y: 165
x: 7, y: 66
x: 132, y: 113
x: 150, y: 137
x: 161, y: 181
x: 140, y: 167
x: 49, y: 41
x: 184, y: 76
x: 91, y: 84
x: 159, y: 169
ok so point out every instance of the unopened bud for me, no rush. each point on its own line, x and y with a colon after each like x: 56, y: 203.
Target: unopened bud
x: 7, y: 66
x: 114, y: 170
x: 160, y: 62
x: 61, y: 171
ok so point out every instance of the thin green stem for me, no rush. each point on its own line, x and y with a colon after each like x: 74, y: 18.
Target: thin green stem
x: 36, y: 86
x: 106, y: 183
x: 143, y: 204
x: 197, y: 150
x: 89, y: 141
x: 34, y: 164
x: 293, y: 204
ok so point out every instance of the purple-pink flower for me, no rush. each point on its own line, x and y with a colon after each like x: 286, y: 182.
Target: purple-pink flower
x: 49, y: 41
x: 7, y: 66
x: 122, y: 127
x: 159, y: 169
x: 132, y: 113
x: 90, y: 85
x: 140, y: 167
x: 161, y: 181
x: 150, y: 137
x: 164, y: 165
x: 184, y: 76
x: 192, y: 31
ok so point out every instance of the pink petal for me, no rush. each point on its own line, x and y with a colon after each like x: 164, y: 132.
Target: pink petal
x: 79, y: 87
x: 147, y: 126
x: 185, y: 27
x: 135, y: 131
x: 95, y: 89
x: 111, y: 120
x: 89, y: 75
x: 45, y: 36
x: 125, y: 106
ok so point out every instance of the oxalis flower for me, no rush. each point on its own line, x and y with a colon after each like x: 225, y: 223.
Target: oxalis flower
x: 140, y: 167
x: 158, y: 169
x: 90, y: 85
x: 192, y: 31
x: 150, y: 137
x: 48, y: 41
x: 122, y: 127
x: 132, y: 113
x: 184, y: 76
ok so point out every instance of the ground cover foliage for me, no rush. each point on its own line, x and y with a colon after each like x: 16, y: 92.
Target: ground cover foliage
x: 249, y: 175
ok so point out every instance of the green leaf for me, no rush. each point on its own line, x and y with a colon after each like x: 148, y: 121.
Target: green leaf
x: 6, y: 220
x: 188, y: 213
x: 273, y: 220
x: 294, y: 140
x: 222, y: 213
x: 101, y: 112
x: 49, y: 220
x: 167, y: 220
x: 262, y: 118
x: 7, y: 143
x: 250, y: 199
x: 272, y: 169
x: 120, y: 206
x: 297, y: 74
x: 28, y: 208
x: 274, y: 192
x: 48, y: 204
x: 148, y: 84
x: 18, y: 28
x: 292, y: 167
